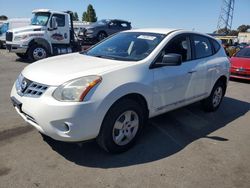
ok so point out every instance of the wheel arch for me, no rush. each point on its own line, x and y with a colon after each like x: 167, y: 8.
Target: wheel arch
x: 224, y: 80
x: 133, y: 96
x: 43, y: 42
x: 102, y: 31
x: 137, y: 98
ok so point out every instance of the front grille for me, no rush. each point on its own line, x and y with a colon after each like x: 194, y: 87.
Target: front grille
x: 9, y: 36
x: 26, y: 87
x: 35, y: 89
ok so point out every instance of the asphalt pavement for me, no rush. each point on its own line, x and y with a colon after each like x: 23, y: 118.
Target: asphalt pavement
x: 186, y: 148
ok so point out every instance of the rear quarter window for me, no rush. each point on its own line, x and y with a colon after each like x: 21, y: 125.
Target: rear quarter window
x: 216, y: 45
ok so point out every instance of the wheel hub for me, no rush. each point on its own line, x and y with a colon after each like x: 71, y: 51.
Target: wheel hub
x: 217, y: 96
x: 125, y: 128
x: 39, y: 53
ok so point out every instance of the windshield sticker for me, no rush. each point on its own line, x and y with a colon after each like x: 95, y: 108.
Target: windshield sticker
x: 146, y: 37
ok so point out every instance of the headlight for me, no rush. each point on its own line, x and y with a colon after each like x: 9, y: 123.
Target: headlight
x: 75, y: 90
x: 21, y: 37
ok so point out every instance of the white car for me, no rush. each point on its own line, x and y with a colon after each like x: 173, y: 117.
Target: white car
x: 109, y: 91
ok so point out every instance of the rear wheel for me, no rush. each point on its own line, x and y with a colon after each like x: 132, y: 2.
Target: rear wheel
x: 121, y: 126
x: 213, y: 102
x: 37, y: 52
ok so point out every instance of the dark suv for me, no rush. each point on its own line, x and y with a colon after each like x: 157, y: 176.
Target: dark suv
x: 103, y: 28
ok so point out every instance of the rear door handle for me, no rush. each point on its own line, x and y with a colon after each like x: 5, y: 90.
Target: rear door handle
x: 192, y: 71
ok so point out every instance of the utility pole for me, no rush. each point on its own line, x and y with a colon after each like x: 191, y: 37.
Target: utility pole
x: 226, y: 16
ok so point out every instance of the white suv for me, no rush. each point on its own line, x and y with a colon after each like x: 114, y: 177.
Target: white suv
x: 109, y: 91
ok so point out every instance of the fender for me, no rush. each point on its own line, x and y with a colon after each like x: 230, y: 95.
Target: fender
x: 130, y: 88
x: 42, y: 42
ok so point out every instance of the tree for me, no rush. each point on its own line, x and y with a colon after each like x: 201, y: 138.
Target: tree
x: 223, y: 31
x: 84, y: 16
x: 233, y: 33
x: 75, y: 17
x: 3, y: 17
x: 243, y: 28
x: 90, y: 15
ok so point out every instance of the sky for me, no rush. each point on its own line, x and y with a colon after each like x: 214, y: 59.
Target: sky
x: 198, y: 15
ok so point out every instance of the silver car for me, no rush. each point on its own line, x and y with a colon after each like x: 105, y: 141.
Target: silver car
x: 103, y: 28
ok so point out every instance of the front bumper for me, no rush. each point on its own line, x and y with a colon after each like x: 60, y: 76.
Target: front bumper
x: 64, y: 121
x: 16, y: 48
x: 2, y: 43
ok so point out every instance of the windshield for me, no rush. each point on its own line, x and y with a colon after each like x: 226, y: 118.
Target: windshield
x: 128, y: 46
x: 245, y: 52
x: 40, y: 18
x: 4, y: 28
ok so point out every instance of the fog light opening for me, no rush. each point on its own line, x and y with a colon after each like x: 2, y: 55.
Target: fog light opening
x: 67, y: 126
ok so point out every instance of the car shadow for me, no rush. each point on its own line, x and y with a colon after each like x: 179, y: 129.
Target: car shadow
x: 21, y: 60
x: 240, y: 80
x: 164, y: 136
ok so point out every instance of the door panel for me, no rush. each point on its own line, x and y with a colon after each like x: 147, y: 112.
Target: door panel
x: 61, y: 34
x: 173, y: 86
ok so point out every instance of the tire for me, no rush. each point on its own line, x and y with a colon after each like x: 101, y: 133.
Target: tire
x: 118, y: 133
x: 37, y: 52
x: 101, y: 35
x: 213, y: 102
x: 22, y: 56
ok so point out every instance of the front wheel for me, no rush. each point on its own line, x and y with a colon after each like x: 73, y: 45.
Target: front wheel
x: 213, y: 102
x: 37, y: 52
x: 121, y: 126
x: 102, y: 35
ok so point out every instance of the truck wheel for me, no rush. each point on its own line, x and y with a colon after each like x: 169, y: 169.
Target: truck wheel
x: 22, y: 56
x: 213, y: 102
x: 102, y: 35
x: 121, y: 126
x: 37, y: 52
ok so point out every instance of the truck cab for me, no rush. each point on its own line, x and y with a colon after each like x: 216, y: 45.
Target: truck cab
x: 50, y: 33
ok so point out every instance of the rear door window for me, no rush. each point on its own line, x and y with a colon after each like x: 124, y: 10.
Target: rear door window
x: 202, y: 46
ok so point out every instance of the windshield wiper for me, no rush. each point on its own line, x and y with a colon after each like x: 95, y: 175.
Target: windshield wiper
x: 102, y: 56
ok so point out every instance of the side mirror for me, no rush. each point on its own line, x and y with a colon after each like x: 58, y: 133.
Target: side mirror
x: 54, y: 24
x: 170, y: 59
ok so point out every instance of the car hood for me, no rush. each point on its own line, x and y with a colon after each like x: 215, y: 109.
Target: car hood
x: 26, y: 29
x: 58, y: 70
x: 238, y: 62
